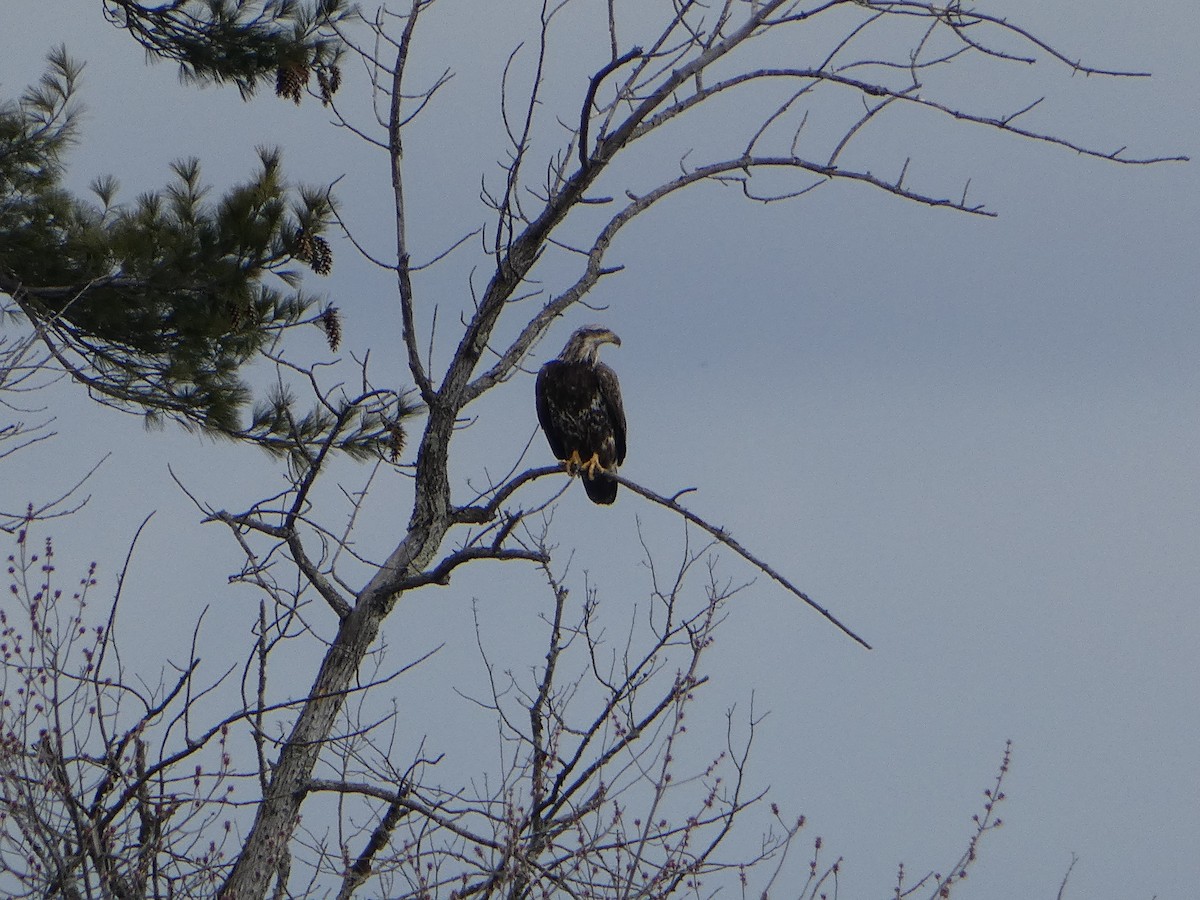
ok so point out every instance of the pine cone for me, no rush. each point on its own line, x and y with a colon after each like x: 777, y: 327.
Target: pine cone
x: 329, y: 79
x: 314, y: 250
x: 290, y: 81
x: 322, y: 256
x: 395, y: 440
x: 331, y: 321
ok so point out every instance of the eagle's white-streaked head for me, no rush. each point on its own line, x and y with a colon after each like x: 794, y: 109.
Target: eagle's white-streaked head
x: 584, y: 345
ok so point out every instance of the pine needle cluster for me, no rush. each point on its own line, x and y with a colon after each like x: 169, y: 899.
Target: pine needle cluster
x: 159, y: 304
x: 241, y: 41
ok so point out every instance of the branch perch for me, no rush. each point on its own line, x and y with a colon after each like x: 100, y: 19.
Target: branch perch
x: 727, y: 539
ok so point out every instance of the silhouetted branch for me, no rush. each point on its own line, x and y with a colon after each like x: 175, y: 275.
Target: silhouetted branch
x: 585, y: 115
x: 727, y: 539
x: 1062, y: 887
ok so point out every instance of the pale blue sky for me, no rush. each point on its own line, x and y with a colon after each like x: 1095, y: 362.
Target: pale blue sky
x: 975, y: 440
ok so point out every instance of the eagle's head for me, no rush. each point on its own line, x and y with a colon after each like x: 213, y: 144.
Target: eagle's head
x: 584, y: 345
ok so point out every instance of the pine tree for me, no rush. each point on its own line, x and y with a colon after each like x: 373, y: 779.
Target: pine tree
x: 160, y: 304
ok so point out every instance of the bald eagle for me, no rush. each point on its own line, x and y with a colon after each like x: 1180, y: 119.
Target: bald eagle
x: 579, y: 406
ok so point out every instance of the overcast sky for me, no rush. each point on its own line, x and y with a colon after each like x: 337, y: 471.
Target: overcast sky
x: 975, y: 440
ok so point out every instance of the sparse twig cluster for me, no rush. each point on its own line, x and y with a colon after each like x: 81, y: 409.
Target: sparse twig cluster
x: 105, y: 788
x: 938, y: 884
x: 599, y: 793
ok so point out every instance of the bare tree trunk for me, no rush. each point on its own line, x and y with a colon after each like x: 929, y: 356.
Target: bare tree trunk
x: 266, y: 845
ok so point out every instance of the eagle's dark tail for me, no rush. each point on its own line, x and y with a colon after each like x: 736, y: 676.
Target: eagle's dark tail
x: 601, y: 489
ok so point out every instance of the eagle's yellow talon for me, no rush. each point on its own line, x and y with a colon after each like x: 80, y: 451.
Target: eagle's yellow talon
x: 592, y: 466
x: 572, y: 463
